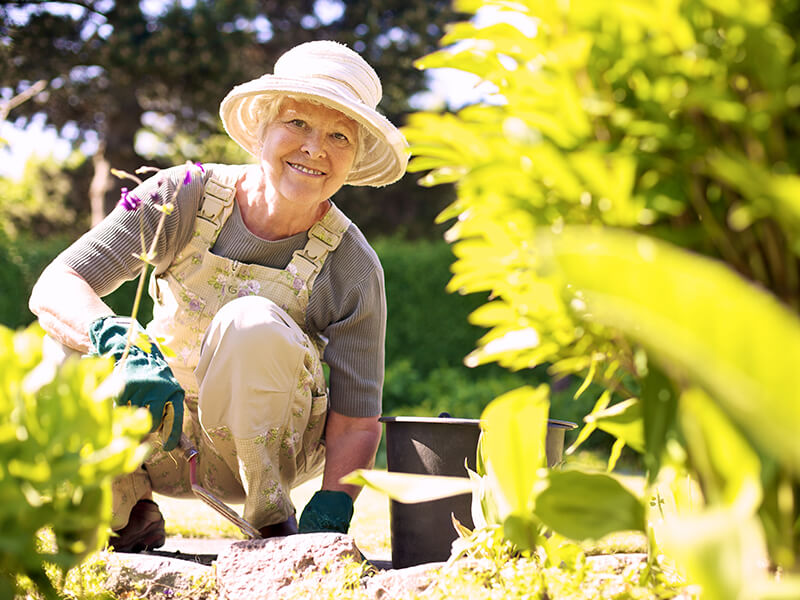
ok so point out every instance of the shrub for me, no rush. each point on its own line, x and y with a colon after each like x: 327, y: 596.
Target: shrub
x: 426, y: 325
x: 21, y: 262
x: 60, y: 446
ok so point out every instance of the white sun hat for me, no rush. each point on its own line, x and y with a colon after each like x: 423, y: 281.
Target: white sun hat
x: 333, y: 74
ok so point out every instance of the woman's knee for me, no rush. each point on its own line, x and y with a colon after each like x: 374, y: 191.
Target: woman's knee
x: 253, y: 328
x: 249, y: 346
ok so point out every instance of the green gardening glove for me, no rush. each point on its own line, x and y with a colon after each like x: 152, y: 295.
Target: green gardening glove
x: 147, y: 379
x: 327, y: 511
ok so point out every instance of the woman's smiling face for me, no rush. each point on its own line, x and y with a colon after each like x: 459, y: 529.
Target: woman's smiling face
x: 308, y: 151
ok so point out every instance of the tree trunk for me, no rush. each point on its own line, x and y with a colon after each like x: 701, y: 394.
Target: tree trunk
x: 100, y: 184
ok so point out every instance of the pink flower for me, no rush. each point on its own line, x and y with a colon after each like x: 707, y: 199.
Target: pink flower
x: 129, y: 201
x: 187, y: 179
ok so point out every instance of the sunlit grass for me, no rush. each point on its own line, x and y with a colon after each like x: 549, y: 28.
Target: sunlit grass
x: 192, y: 518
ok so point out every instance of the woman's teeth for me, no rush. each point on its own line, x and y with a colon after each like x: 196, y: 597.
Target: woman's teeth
x: 303, y: 169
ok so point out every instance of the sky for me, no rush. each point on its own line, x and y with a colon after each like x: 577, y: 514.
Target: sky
x: 447, y: 87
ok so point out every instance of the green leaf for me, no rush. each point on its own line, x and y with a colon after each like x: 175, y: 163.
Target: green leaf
x: 522, y: 531
x: 688, y: 311
x: 722, y: 551
x: 408, y: 487
x: 514, y: 431
x: 622, y: 420
x: 659, y: 407
x: 587, y: 381
x: 729, y: 469
x: 583, y: 506
x: 590, y: 427
x: 616, y: 452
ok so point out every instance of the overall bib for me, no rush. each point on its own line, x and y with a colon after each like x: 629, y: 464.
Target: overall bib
x: 256, y: 397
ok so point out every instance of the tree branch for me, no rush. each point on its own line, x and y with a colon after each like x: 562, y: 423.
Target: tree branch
x: 9, y: 105
x: 85, y: 5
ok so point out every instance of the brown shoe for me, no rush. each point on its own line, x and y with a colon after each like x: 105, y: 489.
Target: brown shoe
x: 287, y: 527
x: 144, y: 531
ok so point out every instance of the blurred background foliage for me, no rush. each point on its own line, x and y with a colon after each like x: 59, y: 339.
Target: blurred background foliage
x: 693, y: 110
x: 141, y: 82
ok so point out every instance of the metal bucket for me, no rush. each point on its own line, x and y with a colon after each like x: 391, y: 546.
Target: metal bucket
x: 423, y: 532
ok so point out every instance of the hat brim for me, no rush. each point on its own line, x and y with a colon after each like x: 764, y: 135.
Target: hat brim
x: 384, y: 155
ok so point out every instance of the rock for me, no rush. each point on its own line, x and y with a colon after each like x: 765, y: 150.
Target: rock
x: 260, y: 569
x: 616, y: 562
x: 151, y: 576
x: 400, y: 583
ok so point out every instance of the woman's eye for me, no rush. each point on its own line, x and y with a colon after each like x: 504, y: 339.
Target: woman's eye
x: 340, y: 137
x: 298, y: 122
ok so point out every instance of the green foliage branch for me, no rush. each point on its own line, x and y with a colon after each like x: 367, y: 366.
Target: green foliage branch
x: 676, y: 120
x: 61, y: 444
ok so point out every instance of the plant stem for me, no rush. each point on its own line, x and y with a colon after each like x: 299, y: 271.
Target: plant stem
x: 717, y: 233
x: 135, y: 310
x: 770, y: 240
x: 147, y: 254
x: 140, y: 287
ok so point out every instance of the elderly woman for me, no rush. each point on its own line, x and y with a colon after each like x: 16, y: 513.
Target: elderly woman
x: 258, y: 279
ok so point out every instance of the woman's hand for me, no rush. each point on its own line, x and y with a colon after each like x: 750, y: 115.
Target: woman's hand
x: 145, y: 377
x: 67, y: 307
x: 350, y: 444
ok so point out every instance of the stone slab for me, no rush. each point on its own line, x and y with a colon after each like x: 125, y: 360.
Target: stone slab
x: 261, y: 569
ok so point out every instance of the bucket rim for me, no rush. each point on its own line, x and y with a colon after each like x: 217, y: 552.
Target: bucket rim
x: 555, y: 423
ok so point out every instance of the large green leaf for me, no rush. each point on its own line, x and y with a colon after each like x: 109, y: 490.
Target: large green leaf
x: 409, y: 487
x: 729, y: 468
x: 582, y: 506
x: 722, y: 551
x: 695, y: 315
x: 659, y: 407
x: 514, y: 430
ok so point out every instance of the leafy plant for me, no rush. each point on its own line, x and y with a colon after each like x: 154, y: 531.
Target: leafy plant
x: 39, y: 201
x: 677, y: 122
x: 61, y: 445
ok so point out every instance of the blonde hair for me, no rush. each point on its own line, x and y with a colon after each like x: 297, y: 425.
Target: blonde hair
x: 268, y: 107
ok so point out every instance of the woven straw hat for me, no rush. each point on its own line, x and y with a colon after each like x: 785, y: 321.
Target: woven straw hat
x: 338, y: 77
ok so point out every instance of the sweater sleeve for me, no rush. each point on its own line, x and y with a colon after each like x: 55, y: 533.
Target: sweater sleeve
x: 106, y: 256
x: 355, y: 351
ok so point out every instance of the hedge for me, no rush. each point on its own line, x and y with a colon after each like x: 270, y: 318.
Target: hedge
x: 427, y: 330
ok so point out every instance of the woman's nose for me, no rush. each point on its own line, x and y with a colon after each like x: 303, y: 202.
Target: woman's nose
x: 314, y: 146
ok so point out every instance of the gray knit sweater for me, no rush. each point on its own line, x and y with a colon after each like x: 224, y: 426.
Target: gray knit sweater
x: 347, y: 303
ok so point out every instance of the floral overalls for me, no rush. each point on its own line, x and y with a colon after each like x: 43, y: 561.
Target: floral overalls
x: 261, y: 469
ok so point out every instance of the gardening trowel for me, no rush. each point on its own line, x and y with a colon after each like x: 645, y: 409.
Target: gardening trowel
x: 190, y: 453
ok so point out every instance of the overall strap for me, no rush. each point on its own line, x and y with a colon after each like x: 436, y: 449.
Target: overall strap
x: 323, y: 237
x: 216, y: 204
